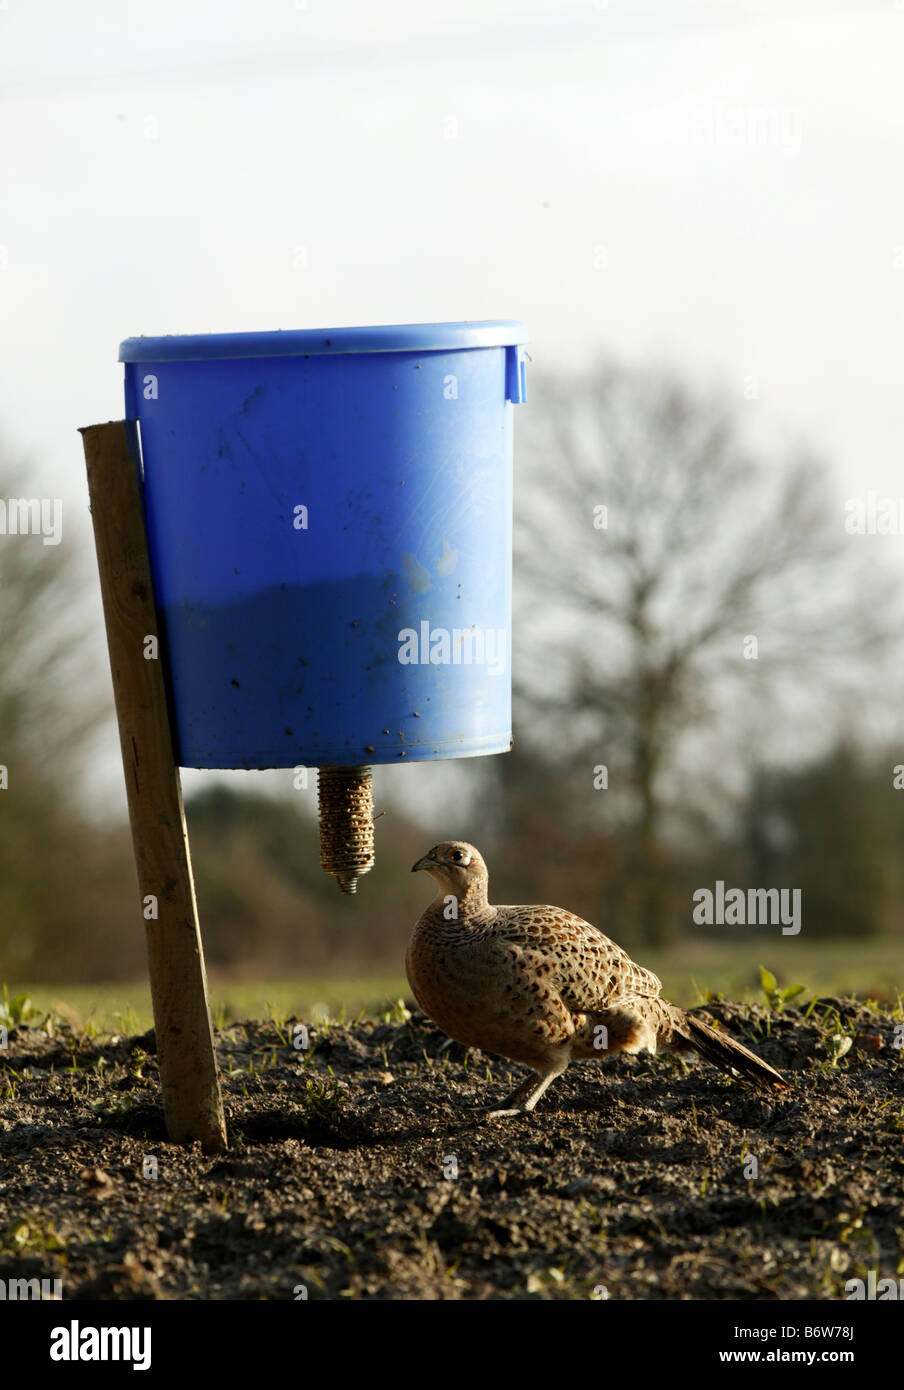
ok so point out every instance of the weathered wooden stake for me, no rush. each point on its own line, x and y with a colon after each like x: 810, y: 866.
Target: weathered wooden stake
x: 192, y: 1103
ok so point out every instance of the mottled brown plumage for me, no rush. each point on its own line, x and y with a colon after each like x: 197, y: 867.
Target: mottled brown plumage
x: 541, y: 986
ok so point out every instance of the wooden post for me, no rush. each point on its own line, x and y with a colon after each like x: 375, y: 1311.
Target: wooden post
x: 192, y: 1103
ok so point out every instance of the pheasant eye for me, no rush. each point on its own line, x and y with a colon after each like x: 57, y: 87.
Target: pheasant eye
x: 457, y: 856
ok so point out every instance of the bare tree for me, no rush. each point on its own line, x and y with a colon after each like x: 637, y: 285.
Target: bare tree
x: 58, y: 876
x: 669, y: 581
x: 50, y: 700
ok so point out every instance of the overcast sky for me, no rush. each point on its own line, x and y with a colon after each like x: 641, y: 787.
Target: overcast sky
x: 716, y: 184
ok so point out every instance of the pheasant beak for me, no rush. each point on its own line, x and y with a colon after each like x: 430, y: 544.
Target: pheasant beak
x: 428, y: 862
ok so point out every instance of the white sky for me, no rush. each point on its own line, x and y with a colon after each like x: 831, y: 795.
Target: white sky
x: 715, y: 183
x: 740, y: 164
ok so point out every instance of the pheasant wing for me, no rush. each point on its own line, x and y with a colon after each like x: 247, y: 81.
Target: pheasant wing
x: 588, y: 969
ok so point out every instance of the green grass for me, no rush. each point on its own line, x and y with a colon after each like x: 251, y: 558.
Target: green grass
x: 871, y: 969
x: 126, y: 1007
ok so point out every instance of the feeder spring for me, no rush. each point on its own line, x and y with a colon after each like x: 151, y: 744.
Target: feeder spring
x: 345, y: 797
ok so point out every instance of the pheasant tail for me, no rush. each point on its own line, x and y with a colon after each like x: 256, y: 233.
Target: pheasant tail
x: 725, y: 1053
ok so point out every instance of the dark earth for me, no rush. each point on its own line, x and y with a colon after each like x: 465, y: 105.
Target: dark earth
x: 356, y: 1169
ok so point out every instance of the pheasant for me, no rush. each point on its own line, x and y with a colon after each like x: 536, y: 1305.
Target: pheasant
x: 540, y: 986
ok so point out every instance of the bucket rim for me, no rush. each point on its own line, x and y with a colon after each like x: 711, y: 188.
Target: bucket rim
x: 310, y: 342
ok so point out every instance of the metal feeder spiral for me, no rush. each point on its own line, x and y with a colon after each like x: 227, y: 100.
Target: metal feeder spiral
x: 345, y: 800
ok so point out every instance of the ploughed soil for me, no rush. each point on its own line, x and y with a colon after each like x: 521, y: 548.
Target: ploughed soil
x: 358, y: 1168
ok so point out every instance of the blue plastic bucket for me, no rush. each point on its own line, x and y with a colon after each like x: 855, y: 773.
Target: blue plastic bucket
x: 329, y: 523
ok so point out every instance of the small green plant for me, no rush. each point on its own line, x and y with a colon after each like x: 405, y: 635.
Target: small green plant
x: 15, y: 1011
x: 322, y: 1099
x: 851, y: 1230
x: 279, y: 1023
x: 705, y: 996
x: 119, y: 1103
x: 396, y: 1011
x: 127, y: 1022
x: 840, y: 1044
x: 773, y: 997
x: 30, y: 1235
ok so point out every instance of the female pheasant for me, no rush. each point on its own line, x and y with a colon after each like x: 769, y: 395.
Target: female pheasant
x: 541, y: 986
